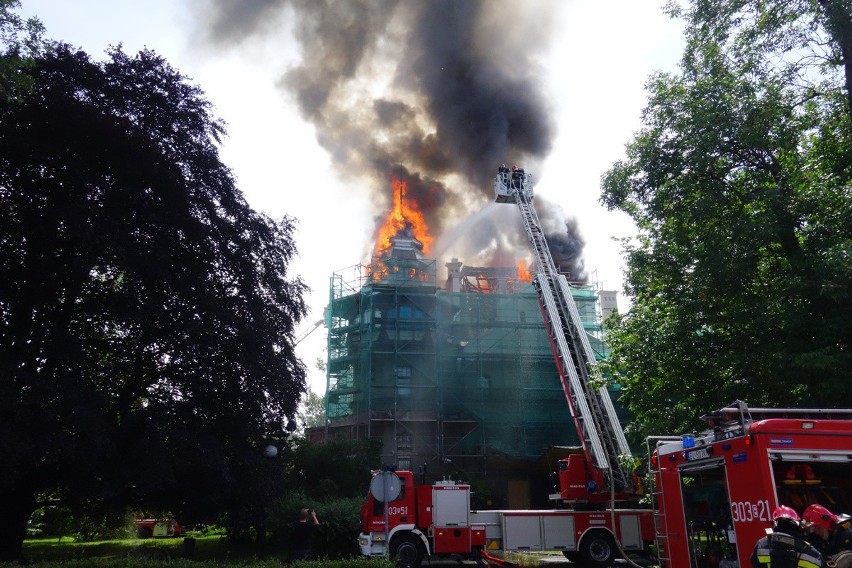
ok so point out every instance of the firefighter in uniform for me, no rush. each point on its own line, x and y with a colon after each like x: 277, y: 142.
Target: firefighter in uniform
x: 834, y: 534
x: 783, y: 546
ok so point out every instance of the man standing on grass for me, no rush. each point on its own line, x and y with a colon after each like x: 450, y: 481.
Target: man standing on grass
x: 303, y: 534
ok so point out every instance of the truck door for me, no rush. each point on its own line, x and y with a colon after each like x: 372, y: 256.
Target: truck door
x: 707, y: 512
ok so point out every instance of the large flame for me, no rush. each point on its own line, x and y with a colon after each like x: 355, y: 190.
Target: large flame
x: 405, y: 213
x: 523, y: 274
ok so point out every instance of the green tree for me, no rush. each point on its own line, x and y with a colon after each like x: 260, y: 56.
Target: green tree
x: 739, y: 183
x: 146, y: 312
x: 332, y: 469
x: 312, y: 413
x: 21, y: 40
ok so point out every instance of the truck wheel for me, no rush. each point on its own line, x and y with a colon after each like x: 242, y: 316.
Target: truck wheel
x: 598, y: 550
x: 144, y: 532
x: 407, y: 551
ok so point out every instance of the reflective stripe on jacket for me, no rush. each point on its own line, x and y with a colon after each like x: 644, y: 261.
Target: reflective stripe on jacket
x: 780, y: 550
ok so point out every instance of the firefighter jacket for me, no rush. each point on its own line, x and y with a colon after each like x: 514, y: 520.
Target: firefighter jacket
x: 781, y: 550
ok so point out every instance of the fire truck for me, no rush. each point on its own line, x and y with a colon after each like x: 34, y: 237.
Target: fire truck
x: 436, y: 520
x: 147, y: 528
x: 714, y: 492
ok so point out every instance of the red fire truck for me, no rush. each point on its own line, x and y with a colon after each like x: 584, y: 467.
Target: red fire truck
x: 436, y: 520
x: 715, y: 492
x: 147, y: 528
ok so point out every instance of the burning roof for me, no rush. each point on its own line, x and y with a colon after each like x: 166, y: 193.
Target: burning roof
x: 404, y: 219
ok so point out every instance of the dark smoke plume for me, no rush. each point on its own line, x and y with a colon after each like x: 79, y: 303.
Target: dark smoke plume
x: 437, y: 93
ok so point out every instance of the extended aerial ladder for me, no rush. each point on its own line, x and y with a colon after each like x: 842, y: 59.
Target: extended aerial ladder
x: 591, y: 407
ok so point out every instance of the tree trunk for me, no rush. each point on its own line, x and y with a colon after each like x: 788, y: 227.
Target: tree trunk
x: 15, y: 512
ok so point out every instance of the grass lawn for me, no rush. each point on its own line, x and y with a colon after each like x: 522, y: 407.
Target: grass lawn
x: 166, y: 552
x: 212, y: 547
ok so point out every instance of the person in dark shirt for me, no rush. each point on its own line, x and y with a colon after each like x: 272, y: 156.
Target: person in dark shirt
x: 303, y: 534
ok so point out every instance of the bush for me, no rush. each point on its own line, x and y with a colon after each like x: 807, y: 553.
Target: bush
x: 333, y: 468
x: 206, y: 530
x: 337, y: 535
x: 52, y: 521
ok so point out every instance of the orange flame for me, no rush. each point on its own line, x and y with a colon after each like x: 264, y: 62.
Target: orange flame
x: 404, y: 213
x: 523, y: 274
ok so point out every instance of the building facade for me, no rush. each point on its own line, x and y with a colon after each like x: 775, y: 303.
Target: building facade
x: 455, y: 375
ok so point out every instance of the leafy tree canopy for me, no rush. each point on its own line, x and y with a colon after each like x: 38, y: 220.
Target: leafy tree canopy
x: 312, y: 412
x: 146, y: 312
x: 331, y: 469
x: 739, y: 183
x: 21, y: 41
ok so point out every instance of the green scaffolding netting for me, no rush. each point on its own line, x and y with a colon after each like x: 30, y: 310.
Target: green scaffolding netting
x: 448, y: 375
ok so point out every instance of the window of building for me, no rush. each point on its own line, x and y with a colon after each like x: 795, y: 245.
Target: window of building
x: 404, y: 443
x: 403, y: 381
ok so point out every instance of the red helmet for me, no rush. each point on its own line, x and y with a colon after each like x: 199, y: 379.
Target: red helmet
x: 819, y: 515
x: 785, y: 512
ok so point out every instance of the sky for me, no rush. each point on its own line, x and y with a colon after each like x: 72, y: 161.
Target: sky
x: 323, y: 103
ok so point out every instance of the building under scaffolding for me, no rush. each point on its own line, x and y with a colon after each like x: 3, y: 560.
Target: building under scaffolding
x: 456, y: 376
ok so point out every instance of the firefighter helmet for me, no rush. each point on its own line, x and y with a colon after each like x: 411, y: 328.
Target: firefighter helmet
x: 785, y: 512
x: 819, y: 515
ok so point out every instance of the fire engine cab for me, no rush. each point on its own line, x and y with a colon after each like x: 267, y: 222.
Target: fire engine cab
x: 714, y: 492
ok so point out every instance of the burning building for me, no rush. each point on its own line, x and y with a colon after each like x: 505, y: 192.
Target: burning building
x: 450, y: 367
x: 446, y: 361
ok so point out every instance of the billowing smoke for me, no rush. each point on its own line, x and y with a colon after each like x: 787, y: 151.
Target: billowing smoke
x: 437, y: 93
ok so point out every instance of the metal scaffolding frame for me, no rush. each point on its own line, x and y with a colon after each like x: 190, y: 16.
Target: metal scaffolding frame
x: 454, y: 380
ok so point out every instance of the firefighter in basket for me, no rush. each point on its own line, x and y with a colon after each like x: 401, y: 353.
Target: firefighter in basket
x: 833, y: 534
x: 784, y: 545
